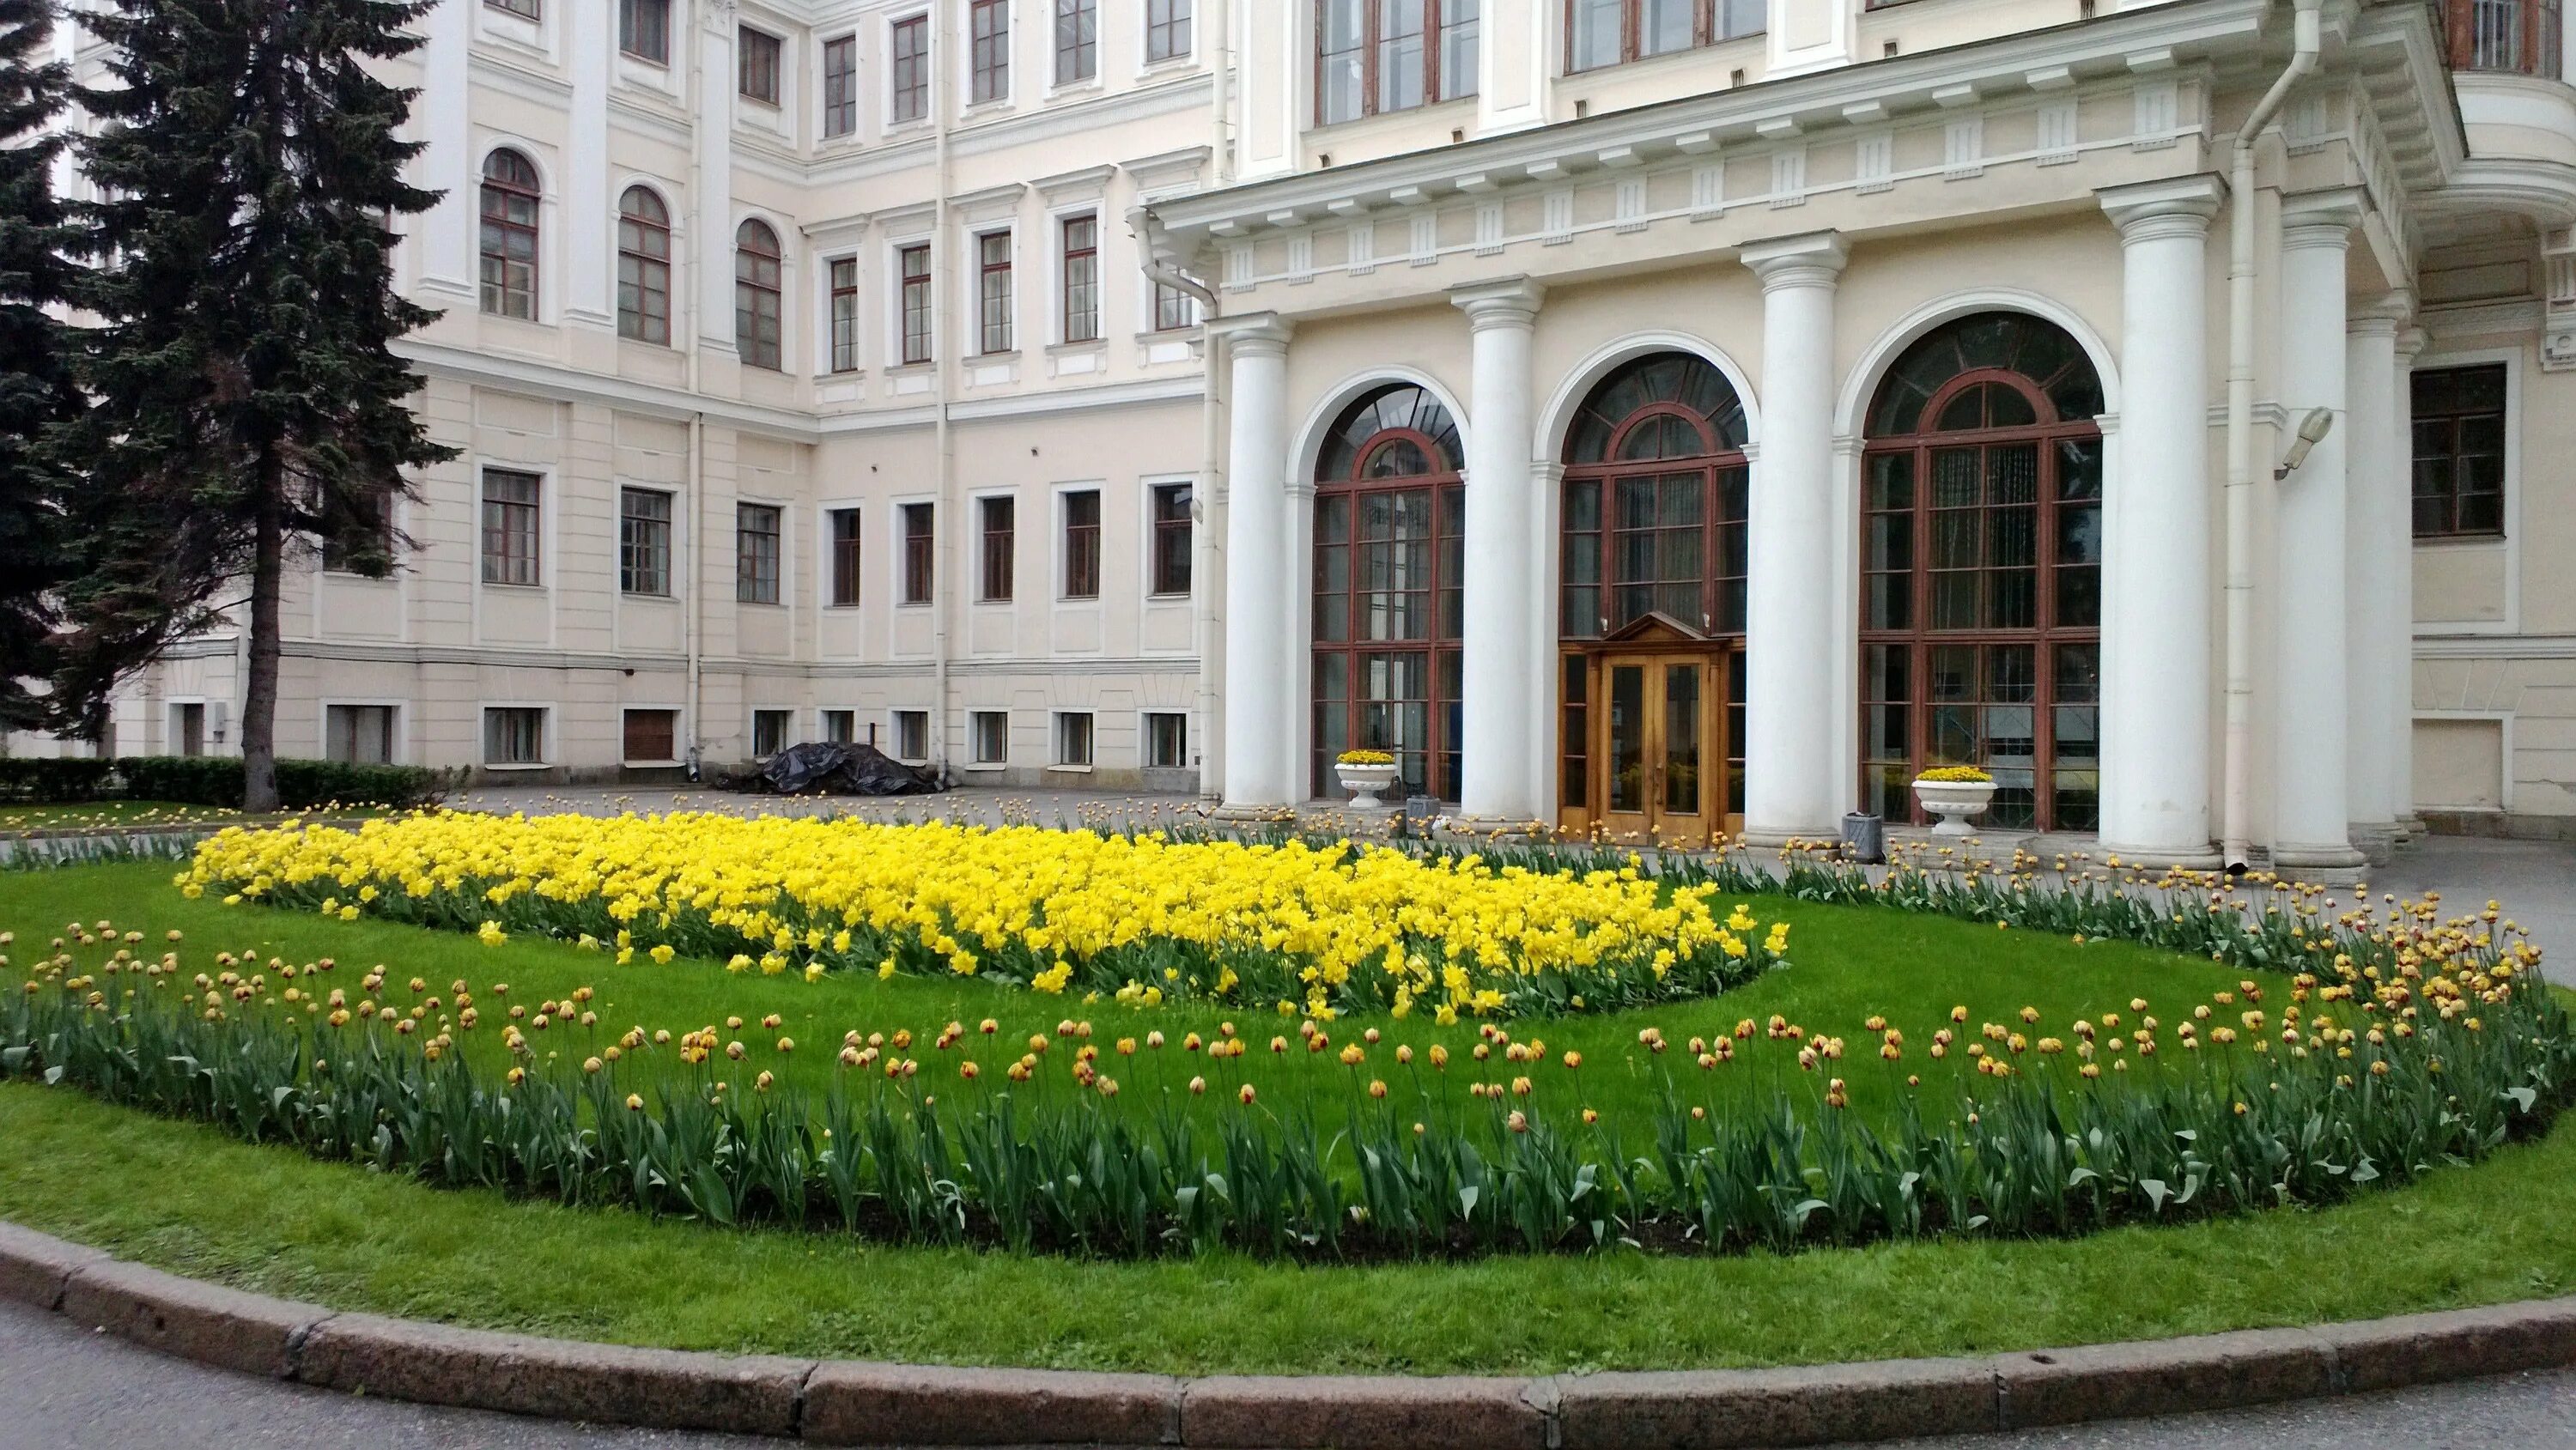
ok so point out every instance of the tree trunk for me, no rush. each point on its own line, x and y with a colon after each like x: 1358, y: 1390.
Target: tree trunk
x: 259, y: 696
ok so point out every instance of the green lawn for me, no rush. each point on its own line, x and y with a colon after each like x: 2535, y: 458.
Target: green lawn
x: 189, y: 1198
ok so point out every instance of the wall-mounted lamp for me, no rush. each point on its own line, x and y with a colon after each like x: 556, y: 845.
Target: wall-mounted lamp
x: 2312, y: 431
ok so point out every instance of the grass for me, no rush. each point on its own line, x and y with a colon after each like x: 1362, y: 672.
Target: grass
x: 129, y: 815
x: 273, y: 1220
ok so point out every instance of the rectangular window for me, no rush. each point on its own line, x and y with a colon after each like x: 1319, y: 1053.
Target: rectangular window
x: 2460, y: 451
x: 188, y: 729
x: 760, y: 52
x: 514, y: 735
x: 768, y: 733
x: 908, y: 79
x: 359, y: 734
x: 1167, y: 741
x: 1167, y: 29
x: 1000, y: 530
x: 524, y: 9
x: 358, y: 531
x: 1073, y: 738
x: 841, y: 86
x: 841, y: 727
x: 988, y: 30
x: 1172, y: 538
x: 912, y: 735
x: 1608, y: 32
x: 755, y: 534
x: 644, y: 29
x: 919, y: 552
x: 1174, y: 309
x: 643, y: 541
x: 845, y: 314
x: 1077, y: 40
x: 652, y: 737
x: 915, y: 302
x: 510, y: 526
x: 1376, y: 56
x: 844, y: 529
x: 993, y: 292
x: 1082, y: 544
x: 988, y: 737
x: 1082, y: 279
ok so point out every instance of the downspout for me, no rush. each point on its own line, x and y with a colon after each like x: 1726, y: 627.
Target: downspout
x: 945, y: 525
x: 695, y: 621
x: 1207, y: 623
x: 2235, y: 825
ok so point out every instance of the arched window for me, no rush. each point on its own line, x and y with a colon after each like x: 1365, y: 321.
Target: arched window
x: 643, y: 267
x: 510, y: 200
x: 1389, y: 607
x: 1981, y: 559
x: 757, y: 270
x: 1652, y: 565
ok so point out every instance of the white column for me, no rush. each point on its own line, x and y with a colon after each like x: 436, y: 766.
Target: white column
x: 2397, y: 570
x: 2311, y: 717
x: 1797, y: 782
x: 1499, y: 701
x: 589, y: 30
x: 2156, y: 606
x: 1263, y: 694
x: 2378, y: 643
x: 447, y: 164
x: 711, y: 246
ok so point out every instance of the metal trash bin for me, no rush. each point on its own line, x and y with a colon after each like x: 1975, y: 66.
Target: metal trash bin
x: 1865, y: 838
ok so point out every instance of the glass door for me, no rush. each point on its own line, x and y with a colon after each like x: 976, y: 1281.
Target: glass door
x: 1661, y: 748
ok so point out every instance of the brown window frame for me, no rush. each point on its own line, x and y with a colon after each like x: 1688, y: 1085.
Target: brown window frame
x: 760, y: 65
x: 657, y: 727
x: 759, y: 296
x: 1079, y: 236
x: 845, y: 535
x: 840, y: 87
x: 644, y: 541
x: 505, y: 727
x: 845, y: 314
x: 1438, y: 25
x: 1175, y: 535
x: 759, y: 547
x: 644, y: 267
x: 1170, y: 30
x: 650, y: 43
x: 988, y: 51
x: 513, y: 209
x: 1706, y: 30
x: 997, y: 530
x: 1077, y: 53
x: 524, y: 9
x: 514, y: 538
x: 1081, y: 543
x: 908, y: 70
x: 1157, y: 722
x: 2515, y: 37
x: 920, y: 552
x: 996, y: 330
x: 913, y: 303
x: 2446, y: 500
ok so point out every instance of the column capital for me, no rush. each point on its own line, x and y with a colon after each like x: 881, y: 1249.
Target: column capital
x: 1813, y: 259
x: 1254, y: 334
x: 2386, y: 316
x: 2411, y: 342
x: 2181, y: 207
x: 2321, y: 218
x: 1504, y: 302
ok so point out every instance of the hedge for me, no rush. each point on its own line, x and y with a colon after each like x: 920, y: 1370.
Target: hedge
x: 209, y: 780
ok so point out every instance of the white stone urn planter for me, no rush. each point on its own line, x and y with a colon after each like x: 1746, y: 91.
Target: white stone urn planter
x: 1364, y: 782
x: 1956, y: 802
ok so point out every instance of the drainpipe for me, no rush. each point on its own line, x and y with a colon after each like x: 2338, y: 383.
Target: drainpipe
x: 943, y: 294
x: 1207, y: 624
x: 694, y: 622
x: 2237, y: 807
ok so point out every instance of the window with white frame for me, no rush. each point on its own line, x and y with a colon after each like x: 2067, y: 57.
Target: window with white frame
x: 643, y: 541
x: 1167, y: 740
x: 1173, y: 530
x: 643, y: 267
x: 908, y: 70
x: 1609, y: 32
x: 1174, y: 309
x: 988, y: 34
x: 524, y: 9
x: 359, y: 734
x: 841, y: 86
x: 843, y: 535
x: 644, y: 29
x: 988, y: 737
x: 1000, y: 518
x: 920, y: 552
x: 512, y: 202
x: 510, y: 523
x: 845, y: 314
x: 841, y: 727
x: 912, y: 735
x: 913, y: 301
x: 759, y: 285
x: 1082, y: 278
x: 1073, y: 738
x: 761, y: 53
x: 1082, y: 543
x: 769, y: 732
x: 1077, y: 41
x: 993, y: 292
x: 1167, y: 30
x: 756, y: 528
x: 514, y: 735
x: 1377, y: 56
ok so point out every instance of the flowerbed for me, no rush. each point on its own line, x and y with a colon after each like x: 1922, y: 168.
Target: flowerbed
x: 1322, y: 927
x: 2412, y: 1044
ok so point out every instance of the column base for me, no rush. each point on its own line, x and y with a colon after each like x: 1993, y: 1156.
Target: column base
x: 1497, y: 828
x: 2319, y: 865
x: 2415, y: 829
x: 1764, y: 839
x: 2377, y: 841
x: 1251, y: 815
x: 2162, y: 858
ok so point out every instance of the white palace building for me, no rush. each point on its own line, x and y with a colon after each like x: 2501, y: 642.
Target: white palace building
x: 1680, y: 416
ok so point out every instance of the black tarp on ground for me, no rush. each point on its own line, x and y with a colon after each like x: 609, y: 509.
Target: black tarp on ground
x: 828, y: 768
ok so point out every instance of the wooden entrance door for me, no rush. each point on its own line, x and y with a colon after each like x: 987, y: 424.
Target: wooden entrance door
x: 1659, y: 747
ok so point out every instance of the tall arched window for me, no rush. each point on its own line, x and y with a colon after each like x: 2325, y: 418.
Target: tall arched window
x: 643, y: 267
x: 510, y: 201
x: 1981, y: 595
x: 1652, y: 567
x: 757, y: 271
x: 1389, y: 560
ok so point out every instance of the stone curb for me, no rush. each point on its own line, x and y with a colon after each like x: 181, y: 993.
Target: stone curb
x: 838, y: 1402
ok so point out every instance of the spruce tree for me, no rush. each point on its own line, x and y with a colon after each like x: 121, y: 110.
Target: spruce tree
x: 37, y: 397
x: 249, y: 402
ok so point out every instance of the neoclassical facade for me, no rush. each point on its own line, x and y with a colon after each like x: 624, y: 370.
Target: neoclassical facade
x: 1671, y: 418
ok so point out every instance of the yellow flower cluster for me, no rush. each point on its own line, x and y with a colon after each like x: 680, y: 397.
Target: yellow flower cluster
x: 1313, y: 928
